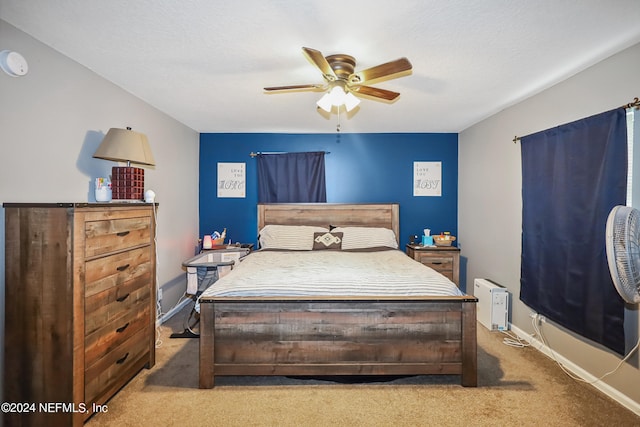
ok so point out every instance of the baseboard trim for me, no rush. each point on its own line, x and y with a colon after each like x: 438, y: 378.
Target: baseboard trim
x: 169, y: 314
x: 605, y: 388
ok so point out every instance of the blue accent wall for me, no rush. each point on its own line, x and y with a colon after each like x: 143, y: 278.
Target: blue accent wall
x: 360, y: 168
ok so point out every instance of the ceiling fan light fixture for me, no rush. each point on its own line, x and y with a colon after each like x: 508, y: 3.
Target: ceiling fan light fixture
x: 337, y: 97
x: 337, y: 94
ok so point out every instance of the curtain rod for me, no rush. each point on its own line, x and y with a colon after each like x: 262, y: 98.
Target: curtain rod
x: 635, y: 104
x: 252, y: 154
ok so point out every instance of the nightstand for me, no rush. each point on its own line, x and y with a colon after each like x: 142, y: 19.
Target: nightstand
x: 444, y: 259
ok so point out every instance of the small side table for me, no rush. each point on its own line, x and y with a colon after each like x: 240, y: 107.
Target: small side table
x: 444, y: 259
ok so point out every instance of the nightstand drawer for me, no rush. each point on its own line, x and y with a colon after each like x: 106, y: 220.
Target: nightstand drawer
x: 443, y: 265
x: 436, y: 261
x: 111, y: 235
x: 444, y: 260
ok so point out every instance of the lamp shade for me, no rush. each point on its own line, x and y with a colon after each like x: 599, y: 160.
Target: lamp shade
x: 125, y: 145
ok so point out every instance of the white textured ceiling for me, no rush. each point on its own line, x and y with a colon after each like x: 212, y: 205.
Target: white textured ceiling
x: 205, y: 62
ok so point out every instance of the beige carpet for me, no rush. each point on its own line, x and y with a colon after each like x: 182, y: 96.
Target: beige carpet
x: 517, y: 387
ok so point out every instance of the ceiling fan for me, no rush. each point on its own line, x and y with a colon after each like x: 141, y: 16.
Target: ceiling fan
x: 342, y: 82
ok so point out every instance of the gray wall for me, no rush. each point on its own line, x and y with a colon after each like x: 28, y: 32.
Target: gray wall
x: 54, y: 118
x: 490, y: 203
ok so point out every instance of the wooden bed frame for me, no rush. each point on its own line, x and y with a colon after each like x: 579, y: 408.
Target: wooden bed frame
x: 337, y: 335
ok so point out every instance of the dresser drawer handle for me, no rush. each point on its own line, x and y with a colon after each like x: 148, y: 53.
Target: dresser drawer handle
x: 122, y: 328
x: 122, y: 359
x: 122, y: 233
x: 122, y: 267
x: 436, y: 262
x: 122, y: 298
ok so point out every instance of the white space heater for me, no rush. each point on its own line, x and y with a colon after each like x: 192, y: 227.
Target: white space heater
x: 493, y: 304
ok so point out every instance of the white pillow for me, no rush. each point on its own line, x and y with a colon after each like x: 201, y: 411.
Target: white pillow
x: 366, y: 237
x: 289, y: 237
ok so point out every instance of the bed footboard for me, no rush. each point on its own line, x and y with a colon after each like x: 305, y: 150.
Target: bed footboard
x: 338, y: 336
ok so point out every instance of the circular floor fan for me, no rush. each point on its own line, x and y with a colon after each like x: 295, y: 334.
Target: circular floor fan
x: 623, y: 251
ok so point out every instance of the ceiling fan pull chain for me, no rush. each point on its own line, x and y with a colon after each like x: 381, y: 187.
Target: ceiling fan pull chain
x: 338, y: 126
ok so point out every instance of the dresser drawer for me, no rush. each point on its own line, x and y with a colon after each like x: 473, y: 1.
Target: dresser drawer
x: 111, y: 335
x: 100, y: 314
x: 114, y: 271
x: 109, y: 235
x: 111, y: 370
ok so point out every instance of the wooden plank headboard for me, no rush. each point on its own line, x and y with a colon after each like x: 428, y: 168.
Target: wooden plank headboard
x: 386, y: 215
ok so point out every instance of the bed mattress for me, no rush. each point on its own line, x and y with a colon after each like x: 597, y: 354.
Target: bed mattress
x: 331, y: 273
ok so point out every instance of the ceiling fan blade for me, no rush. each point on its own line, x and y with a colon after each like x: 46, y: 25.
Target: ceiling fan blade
x: 294, y: 87
x: 318, y: 59
x: 387, y: 69
x: 375, y: 92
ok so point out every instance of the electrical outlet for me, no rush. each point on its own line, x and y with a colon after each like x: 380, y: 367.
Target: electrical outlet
x: 538, y: 318
x: 160, y: 294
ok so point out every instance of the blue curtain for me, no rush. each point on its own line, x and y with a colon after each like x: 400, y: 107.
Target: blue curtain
x: 291, y: 178
x: 572, y: 176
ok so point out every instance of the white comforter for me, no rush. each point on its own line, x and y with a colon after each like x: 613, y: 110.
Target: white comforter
x: 331, y: 273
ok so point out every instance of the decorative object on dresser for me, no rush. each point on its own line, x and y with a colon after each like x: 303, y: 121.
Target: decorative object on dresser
x: 443, y: 259
x: 125, y: 145
x: 80, y: 305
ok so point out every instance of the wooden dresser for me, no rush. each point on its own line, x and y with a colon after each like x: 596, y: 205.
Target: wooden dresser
x: 80, y: 307
x: 443, y: 259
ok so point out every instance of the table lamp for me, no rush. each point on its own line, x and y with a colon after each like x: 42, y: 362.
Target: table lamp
x: 125, y: 145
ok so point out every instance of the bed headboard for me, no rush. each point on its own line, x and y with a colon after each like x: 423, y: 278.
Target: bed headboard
x: 385, y: 215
